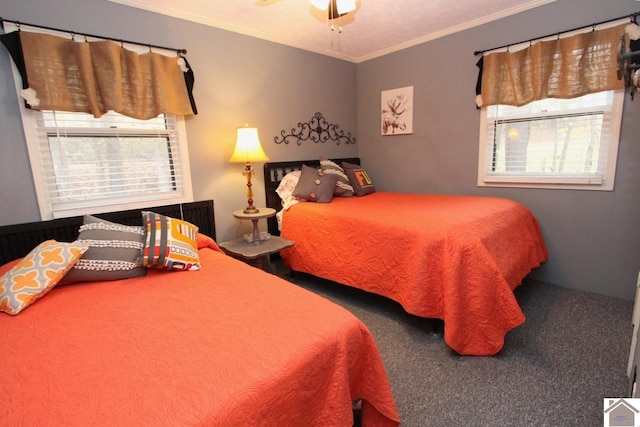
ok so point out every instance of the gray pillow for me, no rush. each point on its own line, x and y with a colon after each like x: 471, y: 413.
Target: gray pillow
x: 315, y: 186
x: 113, y: 254
x: 343, y: 187
x: 359, y: 179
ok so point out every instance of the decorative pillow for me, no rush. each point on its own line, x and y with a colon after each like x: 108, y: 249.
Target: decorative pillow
x: 359, y: 179
x: 114, y: 250
x: 343, y: 187
x: 169, y: 243
x: 315, y: 186
x: 37, y: 273
x: 286, y: 187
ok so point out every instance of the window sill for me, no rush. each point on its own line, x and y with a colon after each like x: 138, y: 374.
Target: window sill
x: 593, y: 184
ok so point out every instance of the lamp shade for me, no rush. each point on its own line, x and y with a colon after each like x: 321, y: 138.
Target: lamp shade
x: 248, y: 148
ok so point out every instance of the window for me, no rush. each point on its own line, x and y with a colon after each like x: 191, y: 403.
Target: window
x: 552, y: 143
x: 82, y: 164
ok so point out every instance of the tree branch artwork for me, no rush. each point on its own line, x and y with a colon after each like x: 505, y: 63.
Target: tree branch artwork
x: 396, y: 111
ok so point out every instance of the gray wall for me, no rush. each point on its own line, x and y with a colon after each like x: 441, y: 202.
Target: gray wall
x: 593, y: 237
x: 238, y: 79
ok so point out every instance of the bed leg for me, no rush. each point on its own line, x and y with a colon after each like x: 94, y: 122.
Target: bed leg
x: 357, y: 413
x: 437, y: 327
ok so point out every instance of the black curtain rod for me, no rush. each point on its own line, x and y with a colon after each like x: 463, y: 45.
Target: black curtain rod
x: 73, y: 33
x: 631, y: 16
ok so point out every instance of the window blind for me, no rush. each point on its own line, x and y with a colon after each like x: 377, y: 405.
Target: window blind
x: 114, y: 159
x: 552, y: 141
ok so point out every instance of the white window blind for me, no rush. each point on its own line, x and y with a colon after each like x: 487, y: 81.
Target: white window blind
x: 84, y: 164
x: 555, y: 143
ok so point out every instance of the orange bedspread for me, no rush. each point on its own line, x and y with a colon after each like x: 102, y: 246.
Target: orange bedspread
x: 228, y: 345
x: 456, y: 258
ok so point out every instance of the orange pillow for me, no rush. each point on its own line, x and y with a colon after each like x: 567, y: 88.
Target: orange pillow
x: 30, y: 278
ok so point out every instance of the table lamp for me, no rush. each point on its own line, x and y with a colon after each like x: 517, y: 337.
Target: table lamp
x: 248, y: 149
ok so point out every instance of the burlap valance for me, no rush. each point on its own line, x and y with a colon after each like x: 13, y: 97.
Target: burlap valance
x: 96, y: 77
x: 562, y: 68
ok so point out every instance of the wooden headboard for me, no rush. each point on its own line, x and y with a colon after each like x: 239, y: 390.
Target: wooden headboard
x: 273, y: 174
x: 18, y: 240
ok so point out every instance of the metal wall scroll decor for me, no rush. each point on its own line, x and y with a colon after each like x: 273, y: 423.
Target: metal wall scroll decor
x: 316, y: 130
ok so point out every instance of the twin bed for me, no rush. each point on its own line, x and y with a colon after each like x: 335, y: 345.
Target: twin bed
x: 223, y: 344
x: 454, y: 258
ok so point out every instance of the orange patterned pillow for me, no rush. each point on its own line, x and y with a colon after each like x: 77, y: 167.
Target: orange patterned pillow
x: 169, y: 243
x: 37, y: 273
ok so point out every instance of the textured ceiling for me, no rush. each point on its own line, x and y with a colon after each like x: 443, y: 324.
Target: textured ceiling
x: 375, y: 28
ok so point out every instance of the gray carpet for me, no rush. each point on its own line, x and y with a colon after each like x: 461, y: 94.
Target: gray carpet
x: 554, y: 370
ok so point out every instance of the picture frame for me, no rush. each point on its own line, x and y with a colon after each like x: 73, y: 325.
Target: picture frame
x: 396, y: 111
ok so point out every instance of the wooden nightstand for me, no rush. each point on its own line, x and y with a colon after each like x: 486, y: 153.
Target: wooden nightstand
x: 258, y: 252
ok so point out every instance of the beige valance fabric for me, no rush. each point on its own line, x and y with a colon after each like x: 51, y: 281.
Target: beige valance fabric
x: 95, y: 77
x: 562, y: 68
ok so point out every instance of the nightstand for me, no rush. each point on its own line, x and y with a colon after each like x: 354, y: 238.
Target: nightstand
x: 262, y: 213
x: 256, y: 253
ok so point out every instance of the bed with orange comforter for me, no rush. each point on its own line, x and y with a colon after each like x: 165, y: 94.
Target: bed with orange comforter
x: 455, y: 258
x: 227, y: 345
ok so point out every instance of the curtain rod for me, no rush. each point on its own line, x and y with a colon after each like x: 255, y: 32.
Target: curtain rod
x: 631, y: 16
x: 73, y: 33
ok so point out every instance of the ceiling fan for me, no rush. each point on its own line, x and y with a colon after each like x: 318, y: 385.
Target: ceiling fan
x: 335, y: 8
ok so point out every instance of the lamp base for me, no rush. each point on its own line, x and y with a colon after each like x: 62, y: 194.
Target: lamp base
x: 251, y: 210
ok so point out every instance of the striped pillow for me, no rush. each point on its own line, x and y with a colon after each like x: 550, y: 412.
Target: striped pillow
x: 169, y: 243
x: 114, y: 251
x: 343, y: 187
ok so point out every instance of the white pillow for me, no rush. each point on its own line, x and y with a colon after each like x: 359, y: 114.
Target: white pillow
x: 286, y: 187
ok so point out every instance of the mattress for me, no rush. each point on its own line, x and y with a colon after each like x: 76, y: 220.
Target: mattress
x: 455, y: 258
x: 228, y: 345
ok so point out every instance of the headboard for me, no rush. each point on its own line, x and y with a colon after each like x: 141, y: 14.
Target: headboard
x: 18, y: 240
x: 273, y: 174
